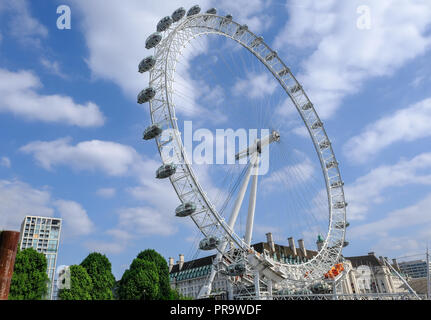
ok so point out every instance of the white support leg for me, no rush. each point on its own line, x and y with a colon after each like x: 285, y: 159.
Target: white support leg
x: 229, y: 290
x: 206, y: 289
x: 257, y: 285
x: 269, y: 284
x: 252, y: 203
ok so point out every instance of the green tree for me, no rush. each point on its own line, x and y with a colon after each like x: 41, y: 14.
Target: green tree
x: 139, y: 282
x: 99, y: 269
x: 81, y: 285
x: 162, y: 271
x: 175, y: 295
x: 29, y: 280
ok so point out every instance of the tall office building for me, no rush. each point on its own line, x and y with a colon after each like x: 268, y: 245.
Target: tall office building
x: 415, y: 268
x: 43, y: 235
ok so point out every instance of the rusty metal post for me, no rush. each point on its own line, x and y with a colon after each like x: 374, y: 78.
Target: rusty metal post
x: 8, y: 247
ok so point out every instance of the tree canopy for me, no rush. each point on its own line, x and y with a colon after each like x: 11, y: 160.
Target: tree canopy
x: 162, y: 270
x: 29, y: 280
x: 81, y: 285
x: 99, y: 269
x: 140, y: 281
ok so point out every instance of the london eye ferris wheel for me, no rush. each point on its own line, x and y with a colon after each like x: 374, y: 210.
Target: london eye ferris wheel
x: 299, y: 192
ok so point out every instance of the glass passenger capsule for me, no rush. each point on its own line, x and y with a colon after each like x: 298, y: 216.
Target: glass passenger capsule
x: 241, y: 29
x: 317, y: 124
x: 337, y: 184
x: 331, y: 164
x: 271, y: 56
x: 152, y: 131
x: 283, y: 72
x: 212, y: 11
x: 193, y: 10
x: 256, y: 42
x: 325, y: 144
x: 295, y: 88
x: 178, y: 14
x: 146, y: 95
x: 166, y: 171
x: 147, y: 64
x: 236, y: 269
x: 185, y: 209
x: 209, y: 243
x: 340, y: 205
x: 164, y: 24
x: 227, y: 19
x: 153, y: 40
x: 307, y: 106
x: 342, y: 225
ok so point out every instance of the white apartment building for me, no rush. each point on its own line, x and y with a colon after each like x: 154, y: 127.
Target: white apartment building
x: 43, y: 235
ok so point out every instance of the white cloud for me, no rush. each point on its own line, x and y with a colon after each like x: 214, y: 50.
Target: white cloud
x: 19, y: 97
x: 25, y: 28
x: 301, y: 131
x: 18, y: 199
x: 289, y: 176
x: 406, y: 124
x: 5, y: 162
x: 117, y: 160
x: 109, y: 157
x: 106, y: 192
x: 52, y: 67
x: 195, y: 98
x: 368, y: 190
x: 415, y: 215
x: 75, y: 218
x: 255, y: 86
x: 343, y: 57
x: 286, y: 109
x: 250, y: 12
x: 145, y: 221
x: 391, y: 231
x: 116, y: 47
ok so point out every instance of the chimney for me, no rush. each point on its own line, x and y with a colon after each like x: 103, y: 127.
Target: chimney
x: 292, y: 245
x: 171, y: 263
x: 395, y: 262
x: 319, y: 242
x: 270, y: 242
x: 181, y: 262
x: 302, y: 247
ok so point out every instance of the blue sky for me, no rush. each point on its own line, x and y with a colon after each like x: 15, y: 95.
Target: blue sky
x: 71, y: 129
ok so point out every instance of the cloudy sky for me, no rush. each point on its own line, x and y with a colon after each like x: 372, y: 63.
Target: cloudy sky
x: 71, y: 130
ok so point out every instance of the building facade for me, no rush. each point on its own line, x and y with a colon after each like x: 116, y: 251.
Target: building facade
x: 43, y: 235
x: 188, y: 277
x: 414, y: 269
x: 367, y: 274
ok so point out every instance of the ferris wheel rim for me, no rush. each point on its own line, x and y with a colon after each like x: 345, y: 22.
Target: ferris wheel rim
x: 172, y: 118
